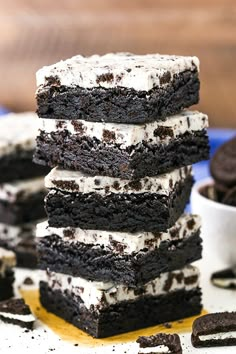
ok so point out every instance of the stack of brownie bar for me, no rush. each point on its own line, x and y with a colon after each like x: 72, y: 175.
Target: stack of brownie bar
x: 21, y: 187
x: 117, y: 245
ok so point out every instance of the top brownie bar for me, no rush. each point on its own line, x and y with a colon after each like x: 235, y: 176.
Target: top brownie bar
x: 119, y: 88
x: 17, y: 143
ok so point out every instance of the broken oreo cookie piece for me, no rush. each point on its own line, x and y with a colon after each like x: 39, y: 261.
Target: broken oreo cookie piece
x: 160, y: 343
x: 16, y: 312
x: 216, y: 329
x: 225, y: 278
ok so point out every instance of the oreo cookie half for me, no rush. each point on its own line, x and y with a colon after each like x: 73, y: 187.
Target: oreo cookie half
x: 160, y: 343
x: 225, y: 279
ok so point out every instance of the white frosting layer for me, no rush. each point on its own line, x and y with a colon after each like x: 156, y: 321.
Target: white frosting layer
x: 100, y: 295
x: 7, y: 260
x: 140, y: 72
x: 23, y: 318
x: 218, y: 336
x: 224, y: 283
x: 76, y: 181
x: 160, y: 349
x: 123, y: 242
x: 18, y: 131
x: 130, y: 134
x: 21, y: 189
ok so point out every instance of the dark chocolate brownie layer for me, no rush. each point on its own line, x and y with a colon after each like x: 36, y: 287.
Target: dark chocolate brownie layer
x: 23, y: 211
x: 119, y: 105
x: 73, y: 152
x: 99, y: 264
x: 125, y: 316
x: 19, y: 166
x: 118, y: 212
x: 6, y: 285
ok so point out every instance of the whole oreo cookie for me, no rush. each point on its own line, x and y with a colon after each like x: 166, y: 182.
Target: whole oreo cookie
x: 223, y: 164
x: 214, y: 330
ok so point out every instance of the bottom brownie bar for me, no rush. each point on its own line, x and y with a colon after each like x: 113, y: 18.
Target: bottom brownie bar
x: 21, y: 240
x: 103, y: 309
x: 7, y: 262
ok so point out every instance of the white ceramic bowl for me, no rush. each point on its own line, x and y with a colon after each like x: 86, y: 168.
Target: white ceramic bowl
x: 218, y: 226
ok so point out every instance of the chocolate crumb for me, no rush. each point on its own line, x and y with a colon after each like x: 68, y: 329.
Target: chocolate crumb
x: 28, y: 281
x: 78, y: 126
x: 108, y: 135
x: 163, y: 132
x: 190, y: 224
x: 165, y: 78
x: 97, y: 182
x: 167, y: 325
x: 107, y: 77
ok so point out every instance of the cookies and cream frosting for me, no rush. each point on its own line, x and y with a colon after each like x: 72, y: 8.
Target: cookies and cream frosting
x: 76, y: 181
x: 123, y: 242
x: 125, y: 135
x: 138, y: 72
x: 99, y: 294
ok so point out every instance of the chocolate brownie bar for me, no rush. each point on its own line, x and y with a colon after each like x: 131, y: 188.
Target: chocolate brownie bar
x: 21, y: 240
x: 160, y: 343
x: 107, y: 203
x: 22, y: 201
x: 119, y: 257
x: 123, y: 150
x: 215, y: 329
x: 119, y: 88
x: 104, y: 309
x: 17, y: 136
x: 7, y: 262
x: 16, y: 312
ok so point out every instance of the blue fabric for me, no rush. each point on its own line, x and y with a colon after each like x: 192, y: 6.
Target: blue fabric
x: 3, y: 111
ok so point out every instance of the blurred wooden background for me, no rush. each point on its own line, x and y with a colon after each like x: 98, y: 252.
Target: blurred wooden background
x: 36, y: 33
